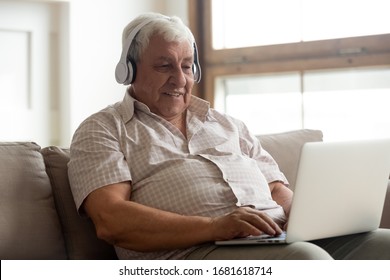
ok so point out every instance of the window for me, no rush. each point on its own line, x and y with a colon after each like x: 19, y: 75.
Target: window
x: 269, y: 102
x: 290, y: 64
x: 344, y: 104
x: 289, y: 21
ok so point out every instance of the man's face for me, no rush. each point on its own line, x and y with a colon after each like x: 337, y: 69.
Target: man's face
x: 164, y: 77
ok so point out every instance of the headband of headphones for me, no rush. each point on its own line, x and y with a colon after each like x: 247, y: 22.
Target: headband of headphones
x: 125, y: 70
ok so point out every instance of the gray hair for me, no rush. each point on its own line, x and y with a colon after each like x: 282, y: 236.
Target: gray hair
x: 171, y: 28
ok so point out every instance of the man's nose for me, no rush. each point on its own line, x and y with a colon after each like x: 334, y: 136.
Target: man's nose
x: 178, y: 77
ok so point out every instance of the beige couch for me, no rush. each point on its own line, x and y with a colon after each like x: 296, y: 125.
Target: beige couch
x: 38, y: 219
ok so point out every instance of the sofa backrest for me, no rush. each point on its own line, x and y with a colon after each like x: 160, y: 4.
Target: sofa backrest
x: 286, y: 148
x: 29, y: 224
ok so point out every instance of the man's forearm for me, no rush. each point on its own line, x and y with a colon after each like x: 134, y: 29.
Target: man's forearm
x: 142, y: 228
x: 157, y: 230
x: 148, y: 229
x: 282, y: 195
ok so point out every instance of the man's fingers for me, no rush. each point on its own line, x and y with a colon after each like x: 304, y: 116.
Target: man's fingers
x: 243, y: 222
x: 261, y: 221
x: 267, y: 225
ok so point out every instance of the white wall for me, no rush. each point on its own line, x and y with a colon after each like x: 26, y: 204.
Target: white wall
x: 95, y: 30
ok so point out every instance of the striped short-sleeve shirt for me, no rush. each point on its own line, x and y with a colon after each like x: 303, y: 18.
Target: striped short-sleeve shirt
x: 218, y: 167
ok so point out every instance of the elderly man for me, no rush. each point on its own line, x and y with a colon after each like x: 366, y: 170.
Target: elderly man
x: 162, y: 175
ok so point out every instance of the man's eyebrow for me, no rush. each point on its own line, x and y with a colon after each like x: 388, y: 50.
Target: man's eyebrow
x: 165, y: 58
x: 189, y: 59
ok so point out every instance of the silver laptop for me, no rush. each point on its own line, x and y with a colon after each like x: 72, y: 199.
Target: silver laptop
x: 340, y: 189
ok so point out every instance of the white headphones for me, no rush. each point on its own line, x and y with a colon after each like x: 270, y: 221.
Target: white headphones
x: 125, y: 70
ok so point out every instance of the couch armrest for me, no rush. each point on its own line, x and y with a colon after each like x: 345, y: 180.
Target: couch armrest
x: 79, y: 233
x: 385, y: 222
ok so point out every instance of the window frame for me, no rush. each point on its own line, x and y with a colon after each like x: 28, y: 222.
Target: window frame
x: 364, y: 51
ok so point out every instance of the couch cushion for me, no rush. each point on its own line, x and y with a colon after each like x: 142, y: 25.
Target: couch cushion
x: 29, y: 224
x: 79, y: 232
x: 286, y: 149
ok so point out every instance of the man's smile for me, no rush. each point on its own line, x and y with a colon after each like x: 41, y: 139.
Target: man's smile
x: 174, y: 94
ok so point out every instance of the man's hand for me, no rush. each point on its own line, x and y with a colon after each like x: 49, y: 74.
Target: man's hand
x: 243, y: 222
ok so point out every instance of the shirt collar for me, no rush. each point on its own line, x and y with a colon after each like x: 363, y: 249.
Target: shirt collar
x: 199, y: 107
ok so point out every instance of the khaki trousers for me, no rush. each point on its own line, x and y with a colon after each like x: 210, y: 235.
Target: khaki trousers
x: 373, y: 245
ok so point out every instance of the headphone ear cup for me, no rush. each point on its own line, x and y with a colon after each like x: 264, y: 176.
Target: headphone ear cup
x: 132, y: 70
x: 121, y: 72
x: 195, y: 72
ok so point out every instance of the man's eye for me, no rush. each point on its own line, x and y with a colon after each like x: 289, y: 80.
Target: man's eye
x: 187, y: 68
x: 162, y: 67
